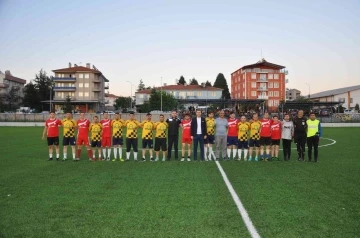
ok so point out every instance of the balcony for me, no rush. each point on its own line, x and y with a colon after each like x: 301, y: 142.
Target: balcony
x: 65, y: 89
x: 262, y: 80
x: 4, y: 85
x: 64, y: 98
x: 96, y: 89
x: 68, y: 79
x: 96, y: 81
x: 262, y: 88
x: 16, y: 87
x: 106, y: 86
x: 263, y: 97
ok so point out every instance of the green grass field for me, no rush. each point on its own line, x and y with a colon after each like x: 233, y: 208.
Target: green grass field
x: 40, y: 198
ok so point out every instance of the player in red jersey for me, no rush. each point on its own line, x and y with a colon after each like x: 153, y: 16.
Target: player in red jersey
x: 51, y: 129
x: 186, y: 137
x: 232, y: 137
x: 106, y: 136
x: 265, y: 136
x: 83, y: 136
x: 275, y: 137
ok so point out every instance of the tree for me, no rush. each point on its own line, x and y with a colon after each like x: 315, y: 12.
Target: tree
x: 122, y: 103
x: 221, y: 82
x: 208, y: 84
x: 182, y: 80
x: 168, y: 101
x: 67, y: 106
x: 302, y: 99
x: 12, y: 98
x: 357, y: 106
x: 31, y: 97
x: 193, y: 81
x: 145, y: 107
x: 141, y: 85
x: 43, y: 85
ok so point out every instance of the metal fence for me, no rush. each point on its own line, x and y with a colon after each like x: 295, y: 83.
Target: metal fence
x: 39, y: 117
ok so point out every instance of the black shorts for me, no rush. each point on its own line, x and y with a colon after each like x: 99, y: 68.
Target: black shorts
x: 53, y: 141
x: 117, y: 141
x: 275, y: 142
x: 147, y: 143
x: 232, y: 140
x: 265, y: 140
x: 254, y: 143
x: 243, y: 144
x: 131, y: 142
x: 160, y: 143
x: 210, y: 139
x: 69, y: 141
x: 96, y: 144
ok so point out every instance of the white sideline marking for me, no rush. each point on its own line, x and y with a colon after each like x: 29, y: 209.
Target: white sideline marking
x: 322, y: 138
x: 244, y: 215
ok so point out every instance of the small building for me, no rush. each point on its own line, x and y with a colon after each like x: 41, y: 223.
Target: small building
x: 292, y: 94
x: 182, y: 92
x: 86, y: 87
x: 9, y: 82
x: 349, y: 96
x: 110, y: 101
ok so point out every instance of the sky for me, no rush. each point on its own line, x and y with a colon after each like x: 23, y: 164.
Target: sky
x: 317, y: 41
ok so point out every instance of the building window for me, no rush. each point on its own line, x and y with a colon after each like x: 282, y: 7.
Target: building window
x: 253, y: 76
x: 213, y: 94
x: 141, y: 96
x: 263, y: 76
x: 276, y: 76
x: 199, y: 94
x: 351, y: 100
x: 270, y: 76
x: 253, y: 93
x: 253, y: 84
x: 270, y: 102
x: 276, y: 85
x: 81, y: 85
x: 86, y: 94
x: 276, y: 94
x: 270, y: 85
x: 87, y: 76
x: 86, y: 85
x: 81, y: 76
x: 271, y: 93
x: 81, y: 94
x: 276, y: 103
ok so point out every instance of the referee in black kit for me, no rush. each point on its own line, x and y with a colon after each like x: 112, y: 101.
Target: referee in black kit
x: 300, y: 128
x: 173, y: 134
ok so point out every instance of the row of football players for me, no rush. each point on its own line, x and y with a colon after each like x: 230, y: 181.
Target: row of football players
x: 263, y: 134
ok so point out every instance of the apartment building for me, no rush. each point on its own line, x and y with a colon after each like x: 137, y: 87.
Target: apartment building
x: 292, y: 94
x: 110, y: 101
x: 86, y: 87
x: 9, y: 82
x: 262, y: 80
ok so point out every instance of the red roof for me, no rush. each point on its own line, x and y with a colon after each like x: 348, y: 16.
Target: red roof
x: 182, y: 88
x: 15, y: 79
x: 262, y: 63
x: 111, y: 96
x: 76, y: 69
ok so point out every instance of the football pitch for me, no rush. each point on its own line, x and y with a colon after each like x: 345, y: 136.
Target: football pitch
x: 40, y: 198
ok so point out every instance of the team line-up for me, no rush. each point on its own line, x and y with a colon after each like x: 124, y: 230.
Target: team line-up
x: 233, y: 138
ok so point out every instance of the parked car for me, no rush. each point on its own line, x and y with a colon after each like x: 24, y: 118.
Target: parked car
x: 109, y: 112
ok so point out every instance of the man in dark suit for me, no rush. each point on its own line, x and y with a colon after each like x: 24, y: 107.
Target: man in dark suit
x: 198, y: 133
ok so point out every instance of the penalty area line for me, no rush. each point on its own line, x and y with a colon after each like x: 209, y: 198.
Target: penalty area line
x: 244, y: 215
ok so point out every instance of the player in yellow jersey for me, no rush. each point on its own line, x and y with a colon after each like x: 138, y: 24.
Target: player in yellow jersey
x: 255, y: 126
x: 160, y: 137
x: 96, y: 134
x: 147, y: 137
x: 210, y: 139
x: 117, y: 137
x: 243, y: 137
x: 132, y: 126
x: 69, y: 126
